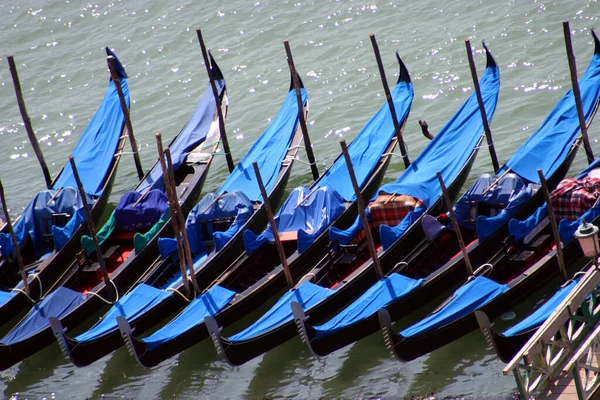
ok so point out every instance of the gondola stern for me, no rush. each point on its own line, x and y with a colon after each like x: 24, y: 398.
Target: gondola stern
x: 214, y: 332
x: 300, y: 83
x: 403, y: 74
x: 490, y: 60
x: 217, y: 73
x: 119, y: 69
x: 596, y: 42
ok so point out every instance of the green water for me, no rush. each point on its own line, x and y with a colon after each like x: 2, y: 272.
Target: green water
x: 58, y: 47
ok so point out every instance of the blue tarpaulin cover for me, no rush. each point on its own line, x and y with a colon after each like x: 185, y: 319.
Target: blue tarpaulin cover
x: 5, y: 296
x: 368, y: 146
x: 549, y: 145
x: 520, y: 229
x: 194, y: 133
x: 506, y: 197
x: 308, y: 294
x: 134, y: 303
x: 135, y: 214
x: 96, y: 147
x: 447, y: 152
x: 199, y: 223
x: 389, y: 234
x: 62, y: 234
x: 540, y: 315
x: 450, y: 149
x: 268, y: 151
x: 57, y: 304
x: 567, y: 229
x: 67, y: 201
x: 209, y: 303
x: 468, y: 298
x: 379, y: 295
x: 318, y: 212
x: 365, y: 151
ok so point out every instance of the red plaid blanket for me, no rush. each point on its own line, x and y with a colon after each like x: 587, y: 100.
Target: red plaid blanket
x: 391, y: 209
x: 573, y: 197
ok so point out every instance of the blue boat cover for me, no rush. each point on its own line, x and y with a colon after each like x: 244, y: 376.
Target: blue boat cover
x: 448, y: 152
x: 31, y: 224
x: 134, y: 303
x: 191, y: 136
x: 268, y: 152
x: 211, y: 302
x: 381, y: 294
x: 57, y: 304
x: 567, y: 229
x: 466, y: 299
x: 6, y: 296
x: 366, y: 148
x: 450, y: 149
x: 62, y: 234
x: 137, y: 211
x: 549, y: 145
x: 389, y: 234
x: 506, y: 197
x: 308, y: 294
x: 96, y: 147
x: 321, y: 209
x: 540, y: 315
x: 520, y: 229
x: 200, y: 222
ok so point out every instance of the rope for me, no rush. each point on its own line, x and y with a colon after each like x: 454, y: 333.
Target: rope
x: 391, y: 153
x: 23, y: 292
x: 103, y: 299
x: 179, y: 293
x: 36, y: 276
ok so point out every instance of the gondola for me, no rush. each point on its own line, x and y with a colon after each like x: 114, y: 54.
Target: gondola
x: 439, y: 262
x: 508, y: 343
x: 257, y: 276
x: 129, y: 239
x: 56, y: 216
x: 514, y: 271
x: 237, y: 205
x: 342, y: 274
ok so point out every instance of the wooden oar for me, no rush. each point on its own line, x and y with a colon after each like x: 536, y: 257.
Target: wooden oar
x: 267, y: 204
x: 450, y: 207
x: 174, y: 220
x: 27, y: 122
x: 484, y: 118
x: 15, y: 241
x: 211, y: 78
x: 388, y: 96
x: 553, y: 225
x: 361, y: 211
x: 577, y: 93
x: 134, y: 148
x: 90, y: 223
x: 307, y: 143
x: 181, y: 223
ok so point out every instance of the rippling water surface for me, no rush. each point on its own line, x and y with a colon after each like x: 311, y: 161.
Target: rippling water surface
x: 58, y: 47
